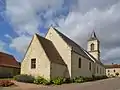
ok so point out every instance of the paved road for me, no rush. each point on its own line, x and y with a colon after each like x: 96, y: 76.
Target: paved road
x: 108, y: 84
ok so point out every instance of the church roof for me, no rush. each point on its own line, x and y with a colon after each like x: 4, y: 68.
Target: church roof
x: 7, y: 60
x: 75, y: 47
x: 94, y: 59
x: 50, y: 50
x: 93, y: 36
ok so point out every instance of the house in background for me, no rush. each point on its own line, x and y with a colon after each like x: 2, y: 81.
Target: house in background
x: 112, y: 70
x: 56, y: 55
x: 9, y: 67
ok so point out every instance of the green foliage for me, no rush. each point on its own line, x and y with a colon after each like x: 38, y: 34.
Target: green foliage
x: 24, y: 78
x: 100, y: 77
x: 41, y: 80
x: 117, y: 74
x: 58, y: 81
x: 78, y: 80
x: 67, y: 80
x: 87, y: 79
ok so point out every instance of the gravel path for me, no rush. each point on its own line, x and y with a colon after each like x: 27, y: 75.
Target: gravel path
x: 108, y: 84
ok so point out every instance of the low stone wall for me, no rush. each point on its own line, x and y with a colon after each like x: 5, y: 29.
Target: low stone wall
x: 7, y: 72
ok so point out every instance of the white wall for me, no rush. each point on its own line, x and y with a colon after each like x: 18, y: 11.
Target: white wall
x: 101, y: 70
x: 42, y: 62
x: 84, y: 70
x: 61, y: 46
x: 58, y: 70
x: 94, y: 53
x: 111, y: 71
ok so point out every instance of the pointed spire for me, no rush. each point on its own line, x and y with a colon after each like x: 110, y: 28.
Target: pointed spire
x: 93, y: 36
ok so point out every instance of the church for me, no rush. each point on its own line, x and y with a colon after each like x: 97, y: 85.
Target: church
x: 56, y: 55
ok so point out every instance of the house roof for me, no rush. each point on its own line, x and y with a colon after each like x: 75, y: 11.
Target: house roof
x: 76, y: 48
x: 7, y: 60
x: 112, y: 66
x: 50, y: 50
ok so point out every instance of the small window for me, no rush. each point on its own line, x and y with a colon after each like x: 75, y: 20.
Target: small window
x: 97, y: 70
x: 90, y: 66
x: 79, y: 63
x: 33, y: 63
x: 114, y: 70
x: 92, y: 47
x: 108, y: 70
x: 100, y: 71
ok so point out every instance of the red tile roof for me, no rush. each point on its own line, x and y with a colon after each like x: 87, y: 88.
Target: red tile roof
x: 7, y: 60
x: 112, y: 66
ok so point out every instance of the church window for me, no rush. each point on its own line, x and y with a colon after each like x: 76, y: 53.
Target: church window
x: 114, y: 70
x: 33, y: 63
x: 79, y: 63
x: 90, y: 66
x: 92, y: 47
x: 97, y: 69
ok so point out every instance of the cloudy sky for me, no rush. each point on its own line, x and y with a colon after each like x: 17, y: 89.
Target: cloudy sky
x: 20, y: 19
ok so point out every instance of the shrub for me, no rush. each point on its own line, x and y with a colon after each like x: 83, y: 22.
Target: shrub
x: 58, y: 81
x: 41, y: 80
x: 67, y: 80
x: 100, y: 77
x: 78, y: 79
x: 117, y: 74
x: 86, y: 79
x: 24, y: 78
x: 6, y: 83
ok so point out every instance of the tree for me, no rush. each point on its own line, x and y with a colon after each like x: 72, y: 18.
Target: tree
x: 117, y: 74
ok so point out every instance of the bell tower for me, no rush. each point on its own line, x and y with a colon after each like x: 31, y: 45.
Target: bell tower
x: 94, y: 46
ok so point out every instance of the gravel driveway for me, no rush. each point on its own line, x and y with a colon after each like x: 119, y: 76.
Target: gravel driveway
x: 108, y: 84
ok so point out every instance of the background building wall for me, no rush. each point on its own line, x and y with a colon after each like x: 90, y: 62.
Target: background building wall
x: 8, y: 72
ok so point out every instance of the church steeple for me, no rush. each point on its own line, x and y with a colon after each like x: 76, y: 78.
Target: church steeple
x: 93, y: 36
x: 93, y: 46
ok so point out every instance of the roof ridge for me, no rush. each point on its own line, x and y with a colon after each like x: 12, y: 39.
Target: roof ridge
x: 68, y: 38
x: 50, y: 50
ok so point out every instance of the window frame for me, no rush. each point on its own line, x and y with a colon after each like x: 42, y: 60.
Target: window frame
x: 79, y: 63
x: 114, y: 70
x: 92, y: 47
x: 33, y: 63
x: 90, y: 66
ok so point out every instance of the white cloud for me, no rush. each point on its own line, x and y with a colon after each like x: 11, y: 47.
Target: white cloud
x: 2, y: 46
x: 8, y: 36
x: 79, y: 25
x: 101, y: 15
x: 20, y: 43
x: 23, y: 13
x: 23, y: 16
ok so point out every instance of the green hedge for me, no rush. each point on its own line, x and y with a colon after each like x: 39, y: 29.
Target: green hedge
x: 24, y: 78
x: 41, y: 80
x: 57, y: 80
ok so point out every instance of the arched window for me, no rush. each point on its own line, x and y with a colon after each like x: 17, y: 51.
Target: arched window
x: 79, y: 64
x: 92, y: 47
